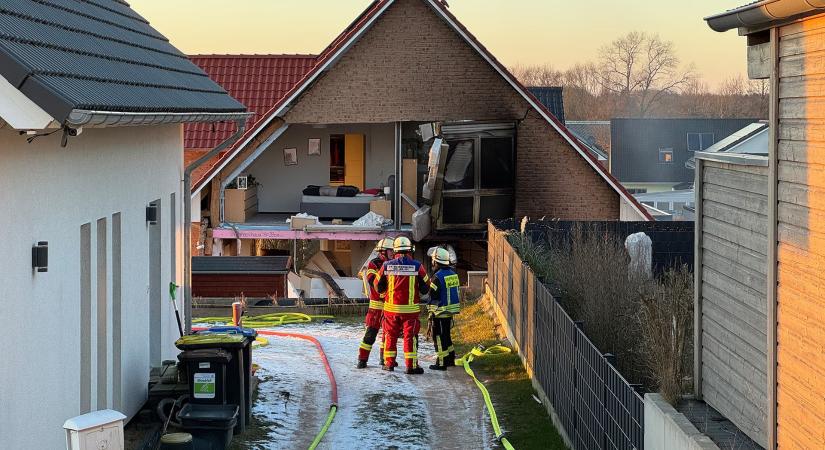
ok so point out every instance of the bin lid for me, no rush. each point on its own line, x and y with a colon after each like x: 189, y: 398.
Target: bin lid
x: 208, y: 413
x: 206, y: 355
x: 211, y: 340
x: 248, y: 332
x: 93, y: 420
x: 176, y: 438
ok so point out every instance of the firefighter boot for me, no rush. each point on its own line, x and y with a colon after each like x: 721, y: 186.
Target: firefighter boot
x: 414, y: 371
x: 437, y: 367
x: 361, y: 364
x: 388, y: 368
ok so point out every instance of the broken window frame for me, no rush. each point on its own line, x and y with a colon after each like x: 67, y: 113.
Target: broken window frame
x: 476, y: 132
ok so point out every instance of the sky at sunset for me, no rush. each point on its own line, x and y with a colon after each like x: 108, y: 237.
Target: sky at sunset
x: 556, y: 32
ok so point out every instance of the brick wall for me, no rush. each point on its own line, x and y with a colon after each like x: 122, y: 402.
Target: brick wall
x: 411, y: 66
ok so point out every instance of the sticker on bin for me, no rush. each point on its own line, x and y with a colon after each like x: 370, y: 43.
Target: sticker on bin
x: 204, y: 365
x: 204, y: 385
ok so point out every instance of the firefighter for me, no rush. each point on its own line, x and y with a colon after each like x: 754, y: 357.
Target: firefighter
x: 444, y: 304
x: 375, y: 314
x: 404, y: 280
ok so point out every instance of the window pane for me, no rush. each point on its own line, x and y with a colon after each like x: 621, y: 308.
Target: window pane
x: 707, y: 140
x: 496, y: 207
x: 497, y: 163
x: 457, y: 210
x: 460, y: 170
x: 694, y: 142
x: 665, y: 155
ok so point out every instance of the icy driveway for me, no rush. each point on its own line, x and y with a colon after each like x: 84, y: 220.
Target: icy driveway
x: 377, y: 409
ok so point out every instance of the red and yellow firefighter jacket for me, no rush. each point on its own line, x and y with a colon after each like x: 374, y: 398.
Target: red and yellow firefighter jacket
x: 403, y: 280
x: 369, y: 277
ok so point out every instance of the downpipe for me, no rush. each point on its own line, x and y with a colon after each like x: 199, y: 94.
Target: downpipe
x: 187, y: 217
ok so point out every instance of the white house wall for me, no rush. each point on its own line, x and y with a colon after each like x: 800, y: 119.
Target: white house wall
x: 48, y: 194
x: 280, y: 186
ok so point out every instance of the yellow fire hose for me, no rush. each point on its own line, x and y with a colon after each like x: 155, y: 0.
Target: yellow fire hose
x: 465, y: 360
x: 266, y: 320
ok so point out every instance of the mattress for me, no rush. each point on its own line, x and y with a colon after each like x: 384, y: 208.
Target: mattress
x: 337, y: 207
x: 359, y: 199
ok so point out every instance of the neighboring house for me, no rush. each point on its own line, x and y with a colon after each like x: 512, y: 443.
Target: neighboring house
x: 92, y: 99
x: 775, y: 301
x: 671, y: 202
x: 649, y: 155
x: 362, y: 116
x: 595, y: 135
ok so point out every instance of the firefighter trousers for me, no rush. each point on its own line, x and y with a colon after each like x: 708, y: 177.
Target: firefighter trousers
x: 444, y: 350
x: 394, y: 325
x: 373, y: 324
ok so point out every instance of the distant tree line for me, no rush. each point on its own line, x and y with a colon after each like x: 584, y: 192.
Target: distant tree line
x: 640, y: 75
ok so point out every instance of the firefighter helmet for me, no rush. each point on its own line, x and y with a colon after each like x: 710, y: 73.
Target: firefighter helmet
x: 441, y: 256
x: 402, y: 244
x: 384, y: 245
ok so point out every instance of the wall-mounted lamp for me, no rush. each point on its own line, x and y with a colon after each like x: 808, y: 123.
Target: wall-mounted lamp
x: 152, y: 214
x: 40, y: 257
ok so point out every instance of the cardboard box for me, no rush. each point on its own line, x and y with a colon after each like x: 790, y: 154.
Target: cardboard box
x: 299, y: 223
x: 382, y: 207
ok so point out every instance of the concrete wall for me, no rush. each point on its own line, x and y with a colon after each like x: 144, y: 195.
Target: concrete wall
x: 733, y: 286
x: 281, y: 185
x: 62, y: 349
x: 668, y: 429
x: 800, y: 248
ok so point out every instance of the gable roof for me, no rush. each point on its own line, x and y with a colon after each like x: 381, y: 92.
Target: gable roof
x: 84, y: 59
x: 552, y: 97
x: 351, y: 35
x: 257, y: 81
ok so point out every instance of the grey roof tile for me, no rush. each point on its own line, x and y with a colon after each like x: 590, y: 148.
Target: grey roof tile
x: 99, y: 55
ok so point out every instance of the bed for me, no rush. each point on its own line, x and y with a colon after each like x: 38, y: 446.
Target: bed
x: 337, y: 207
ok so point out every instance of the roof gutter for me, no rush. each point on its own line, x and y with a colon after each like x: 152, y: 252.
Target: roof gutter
x: 88, y: 118
x: 187, y: 215
x: 764, y: 13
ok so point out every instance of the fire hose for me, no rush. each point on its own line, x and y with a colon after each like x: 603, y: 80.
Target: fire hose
x: 465, y: 361
x: 333, y: 409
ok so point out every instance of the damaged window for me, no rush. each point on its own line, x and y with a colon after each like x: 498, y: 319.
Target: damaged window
x: 458, y: 210
x: 460, y: 170
x: 497, y: 163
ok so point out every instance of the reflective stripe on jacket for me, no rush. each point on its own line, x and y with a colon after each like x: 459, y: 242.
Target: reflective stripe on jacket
x: 444, y: 291
x: 403, y: 280
x: 369, y: 276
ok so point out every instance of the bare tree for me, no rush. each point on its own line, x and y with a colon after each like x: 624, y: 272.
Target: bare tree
x: 642, y: 68
x: 538, y: 75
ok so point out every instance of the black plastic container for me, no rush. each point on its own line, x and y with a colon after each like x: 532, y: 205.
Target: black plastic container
x: 238, y: 341
x: 250, y: 335
x: 206, y: 373
x: 210, y: 425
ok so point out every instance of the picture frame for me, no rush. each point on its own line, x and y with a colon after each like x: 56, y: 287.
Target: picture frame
x: 290, y: 156
x: 314, y: 147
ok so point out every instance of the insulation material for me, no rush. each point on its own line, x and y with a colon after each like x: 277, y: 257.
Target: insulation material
x: 438, y: 148
x: 293, y: 282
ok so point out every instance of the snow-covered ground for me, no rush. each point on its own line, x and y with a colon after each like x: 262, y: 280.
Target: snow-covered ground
x: 377, y: 409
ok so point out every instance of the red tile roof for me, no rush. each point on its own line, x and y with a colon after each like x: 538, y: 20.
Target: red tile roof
x: 257, y: 81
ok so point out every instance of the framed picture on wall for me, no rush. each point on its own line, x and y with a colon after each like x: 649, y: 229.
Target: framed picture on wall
x: 290, y: 156
x: 314, y: 147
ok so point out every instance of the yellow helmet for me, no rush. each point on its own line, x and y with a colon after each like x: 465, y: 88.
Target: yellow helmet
x: 384, y: 245
x: 402, y: 244
x: 441, y: 256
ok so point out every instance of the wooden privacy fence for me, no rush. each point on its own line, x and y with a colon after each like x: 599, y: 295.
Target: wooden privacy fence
x: 595, y: 406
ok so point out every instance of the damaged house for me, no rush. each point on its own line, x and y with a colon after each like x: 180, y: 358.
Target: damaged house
x: 407, y: 116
